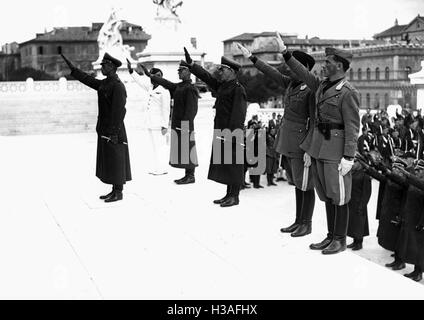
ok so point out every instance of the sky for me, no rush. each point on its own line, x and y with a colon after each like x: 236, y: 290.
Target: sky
x: 211, y: 22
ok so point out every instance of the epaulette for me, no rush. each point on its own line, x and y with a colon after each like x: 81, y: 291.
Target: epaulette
x: 345, y: 84
x: 303, y: 87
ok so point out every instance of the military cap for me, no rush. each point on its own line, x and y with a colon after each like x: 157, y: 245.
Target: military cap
x: 230, y: 63
x: 304, y: 59
x: 108, y: 58
x: 344, y: 54
x: 183, y: 65
x: 419, y: 165
x: 155, y: 70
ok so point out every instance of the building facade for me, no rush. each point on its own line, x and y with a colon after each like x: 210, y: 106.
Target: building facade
x: 79, y: 44
x: 380, y: 73
x: 411, y: 32
x: 10, y: 60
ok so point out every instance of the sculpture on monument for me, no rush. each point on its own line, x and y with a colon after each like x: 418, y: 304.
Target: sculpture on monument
x: 110, y: 39
x: 167, y: 8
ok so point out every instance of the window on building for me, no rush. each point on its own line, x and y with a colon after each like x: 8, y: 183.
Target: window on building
x: 387, y: 73
x: 377, y: 101
x: 368, y: 102
x: 59, y: 50
x: 377, y: 73
x: 359, y: 74
x: 40, y: 50
x: 407, y: 71
x: 368, y: 74
x: 386, y: 99
x: 351, y: 74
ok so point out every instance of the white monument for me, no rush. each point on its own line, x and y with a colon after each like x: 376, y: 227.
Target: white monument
x: 418, y: 79
x: 110, y: 41
x: 165, y: 49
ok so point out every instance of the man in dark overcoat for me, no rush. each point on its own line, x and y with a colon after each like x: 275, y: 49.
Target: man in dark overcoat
x: 300, y: 103
x: 334, y: 139
x: 183, y: 144
x: 231, y: 107
x: 113, y: 161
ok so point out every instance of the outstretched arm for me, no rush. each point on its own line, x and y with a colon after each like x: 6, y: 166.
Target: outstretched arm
x: 265, y: 67
x: 201, y: 73
x: 299, y: 69
x: 81, y: 76
x: 160, y: 81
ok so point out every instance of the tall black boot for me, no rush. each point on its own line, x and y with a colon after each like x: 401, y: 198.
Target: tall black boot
x: 219, y: 201
x: 233, y: 199
x: 340, y: 230
x: 117, y: 193
x: 308, y: 205
x: 299, y: 201
x: 108, y: 195
x: 256, y: 181
x: 397, y: 264
x: 270, y: 179
x: 330, y: 212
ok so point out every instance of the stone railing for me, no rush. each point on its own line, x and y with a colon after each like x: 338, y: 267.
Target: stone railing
x: 31, y: 86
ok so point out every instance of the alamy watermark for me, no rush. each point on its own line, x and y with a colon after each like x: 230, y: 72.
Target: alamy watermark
x: 228, y: 147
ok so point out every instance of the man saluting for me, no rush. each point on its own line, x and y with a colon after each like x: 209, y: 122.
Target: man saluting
x: 113, y: 161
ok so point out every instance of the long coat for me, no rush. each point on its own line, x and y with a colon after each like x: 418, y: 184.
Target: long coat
x: 408, y: 246
x: 113, y: 161
x: 392, y: 203
x: 358, y: 213
x: 183, y: 143
x: 231, y: 107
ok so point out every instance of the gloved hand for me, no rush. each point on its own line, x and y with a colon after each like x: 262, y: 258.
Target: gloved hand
x: 114, y: 139
x: 69, y: 63
x: 164, y: 130
x: 146, y: 72
x: 345, y: 166
x: 246, y: 53
x: 306, y: 160
x: 130, y: 69
x: 281, y: 46
x: 187, y: 57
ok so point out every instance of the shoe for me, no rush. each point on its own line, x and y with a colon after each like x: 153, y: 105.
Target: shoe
x: 290, y: 229
x: 179, y: 180
x: 116, y: 196
x: 390, y: 265
x: 106, y: 195
x: 335, y: 246
x: 303, y: 230
x: 231, y: 201
x: 272, y: 184
x: 418, y: 277
x: 246, y: 185
x: 411, y: 275
x: 258, y: 186
x: 352, y: 245
x: 186, y: 180
x: 399, y: 266
x: 321, y: 245
x: 357, y: 247
x: 222, y: 200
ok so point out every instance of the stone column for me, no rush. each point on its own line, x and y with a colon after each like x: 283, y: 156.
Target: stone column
x: 418, y: 80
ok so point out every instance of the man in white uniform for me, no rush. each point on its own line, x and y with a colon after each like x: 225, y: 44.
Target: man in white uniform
x: 158, y: 110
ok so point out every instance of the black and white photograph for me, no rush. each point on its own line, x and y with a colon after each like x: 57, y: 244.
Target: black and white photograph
x: 212, y: 151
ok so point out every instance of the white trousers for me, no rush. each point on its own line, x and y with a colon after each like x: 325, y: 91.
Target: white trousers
x: 159, y: 151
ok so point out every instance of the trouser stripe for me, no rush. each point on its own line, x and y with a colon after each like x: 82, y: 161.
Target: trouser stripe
x: 342, y: 189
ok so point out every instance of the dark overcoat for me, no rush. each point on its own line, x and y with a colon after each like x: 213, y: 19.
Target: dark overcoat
x: 113, y: 161
x: 407, y: 246
x: 391, y: 206
x: 183, y: 144
x: 230, y: 113
x: 358, y: 213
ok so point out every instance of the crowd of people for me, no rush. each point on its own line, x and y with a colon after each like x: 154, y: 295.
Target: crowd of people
x: 317, y: 142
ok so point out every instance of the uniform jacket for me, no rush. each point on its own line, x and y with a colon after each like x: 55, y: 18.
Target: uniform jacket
x: 113, y: 163
x: 158, y: 104
x: 230, y: 113
x: 299, y: 104
x: 340, y: 105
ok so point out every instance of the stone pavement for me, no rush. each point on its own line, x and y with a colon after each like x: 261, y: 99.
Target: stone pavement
x: 59, y: 241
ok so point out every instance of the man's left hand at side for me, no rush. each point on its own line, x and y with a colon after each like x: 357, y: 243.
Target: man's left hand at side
x: 345, y: 166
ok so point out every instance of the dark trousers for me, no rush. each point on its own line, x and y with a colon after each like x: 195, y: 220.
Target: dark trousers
x: 233, y: 190
x: 118, y: 187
